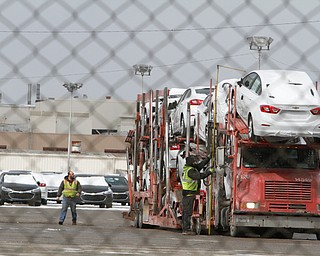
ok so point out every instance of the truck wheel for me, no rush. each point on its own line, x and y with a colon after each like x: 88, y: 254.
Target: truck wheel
x: 235, y: 231
x: 141, y: 225
x: 197, y: 226
x: 136, y: 219
x: 136, y: 215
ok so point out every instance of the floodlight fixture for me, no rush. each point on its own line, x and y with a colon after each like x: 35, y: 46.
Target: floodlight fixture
x: 142, y: 69
x: 259, y: 43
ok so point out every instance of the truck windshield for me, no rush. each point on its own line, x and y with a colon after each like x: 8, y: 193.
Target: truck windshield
x: 297, y: 158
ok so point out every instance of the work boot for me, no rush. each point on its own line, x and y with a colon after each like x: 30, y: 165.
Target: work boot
x: 60, y: 222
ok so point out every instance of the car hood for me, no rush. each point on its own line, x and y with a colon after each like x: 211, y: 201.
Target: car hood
x: 119, y: 188
x: 94, y: 189
x: 19, y: 186
x: 292, y: 94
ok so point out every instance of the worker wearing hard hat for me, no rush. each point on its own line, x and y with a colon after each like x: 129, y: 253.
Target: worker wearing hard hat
x: 191, y: 178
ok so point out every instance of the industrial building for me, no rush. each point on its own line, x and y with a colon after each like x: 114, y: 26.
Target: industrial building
x: 98, y: 127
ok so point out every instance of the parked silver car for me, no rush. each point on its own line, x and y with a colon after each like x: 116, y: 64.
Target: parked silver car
x: 119, y: 187
x: 95, y: 190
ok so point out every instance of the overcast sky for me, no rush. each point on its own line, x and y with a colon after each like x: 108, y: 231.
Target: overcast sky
x: 97, y: 43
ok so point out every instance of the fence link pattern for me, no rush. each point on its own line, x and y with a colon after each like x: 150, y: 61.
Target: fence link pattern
x: 46, y: 44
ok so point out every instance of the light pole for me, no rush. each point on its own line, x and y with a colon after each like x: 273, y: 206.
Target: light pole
x: 70, y: 87
x: 142, y: 69
x: 259, y: 43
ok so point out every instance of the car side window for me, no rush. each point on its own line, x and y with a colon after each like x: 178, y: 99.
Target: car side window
x: 183, y: 97
x: 249, y: 79
x: 257, y: 86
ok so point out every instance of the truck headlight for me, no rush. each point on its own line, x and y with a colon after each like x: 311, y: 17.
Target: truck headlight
x: 251, y: 205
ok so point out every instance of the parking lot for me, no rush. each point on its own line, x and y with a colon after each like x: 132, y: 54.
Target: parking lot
x: 27, y: 230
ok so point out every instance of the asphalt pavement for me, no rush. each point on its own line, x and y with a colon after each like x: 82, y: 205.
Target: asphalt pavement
x: 26, y: 230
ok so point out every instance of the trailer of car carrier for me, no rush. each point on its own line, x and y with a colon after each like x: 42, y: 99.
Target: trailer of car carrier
x: 155, y: 193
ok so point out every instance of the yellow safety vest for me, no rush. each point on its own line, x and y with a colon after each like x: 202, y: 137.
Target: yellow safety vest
x: 70, y: 190
x: 187, y: 182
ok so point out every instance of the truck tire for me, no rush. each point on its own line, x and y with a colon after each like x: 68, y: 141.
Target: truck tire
x: 136, y: 219
x: 140, y: 219
x: 136, y: 216
x: 235, y: 231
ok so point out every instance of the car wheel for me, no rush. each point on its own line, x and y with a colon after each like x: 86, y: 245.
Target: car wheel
x: 1, y: 202
x: 108, y: 205
x: 251, y: 135
x: 183, y: 127
x: 123, y: 203
x: 102, y: 206
x: 44, y: 201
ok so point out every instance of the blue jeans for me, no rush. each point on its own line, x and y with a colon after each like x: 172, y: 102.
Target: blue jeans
x: 66, y: 202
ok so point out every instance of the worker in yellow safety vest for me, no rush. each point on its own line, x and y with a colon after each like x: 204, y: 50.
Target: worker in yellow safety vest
x: 70, y: 188
x: 191, y: 180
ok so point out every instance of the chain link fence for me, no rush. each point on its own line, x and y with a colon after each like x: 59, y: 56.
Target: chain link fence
x: 48, y: 44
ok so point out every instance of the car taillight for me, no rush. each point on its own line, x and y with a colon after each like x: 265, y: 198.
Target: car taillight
x: 175, y: 147
x: 269, y: 109
x: 315, y: 111
x: 195, y: 102
x: 41, y: 184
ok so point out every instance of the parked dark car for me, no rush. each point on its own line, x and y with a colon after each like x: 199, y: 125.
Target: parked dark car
x: 19, y: 187
x: 95, y: 190
x: 53, y: 180
x: 119, y: 187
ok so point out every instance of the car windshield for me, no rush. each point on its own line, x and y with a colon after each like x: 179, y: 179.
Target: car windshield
x: 205, y: 91
x: 19, y: 179
x: 117, y: 180
x: 296, y: 158
x: 92, y: 180
x: 53, y: 180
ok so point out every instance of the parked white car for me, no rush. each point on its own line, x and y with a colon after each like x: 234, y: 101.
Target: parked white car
x: 194, y: 96
x: 203, y: 115
x: 279, y: 104
x: 42, y: 185
x: 174, y: 96
x: 53, y: 180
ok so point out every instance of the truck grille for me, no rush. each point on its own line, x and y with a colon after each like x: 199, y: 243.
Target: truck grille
x: 287, y: 190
